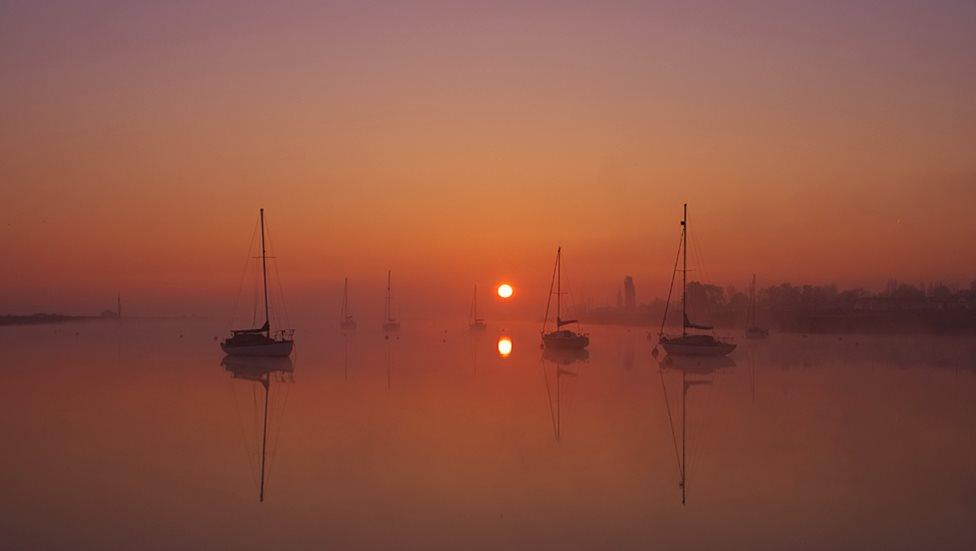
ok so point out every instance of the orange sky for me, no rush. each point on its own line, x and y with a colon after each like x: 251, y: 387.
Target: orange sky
x: 454, y: 144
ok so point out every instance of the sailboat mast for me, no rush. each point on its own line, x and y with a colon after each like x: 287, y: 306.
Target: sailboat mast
x: 559, y: 284
x: 752, y: 312
x: 389, y: 291
x: 345, y: 298
x: 264, y: 432
x: 474, y: 303
x: 264, y: 273
x: 684, y: 273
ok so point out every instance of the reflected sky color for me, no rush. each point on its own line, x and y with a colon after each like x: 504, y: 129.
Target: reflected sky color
x: 866, y: 442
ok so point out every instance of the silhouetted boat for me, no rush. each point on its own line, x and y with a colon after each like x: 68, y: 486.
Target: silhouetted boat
x: 559, y: 337
x: 260, y: 341
x: 476, y: 323
x: 346, y: 321
x: 390, y: 324
x: 753, y: 330
x: 687, y: 344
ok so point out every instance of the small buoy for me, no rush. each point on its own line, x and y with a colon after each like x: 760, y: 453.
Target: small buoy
x: 654, y: 352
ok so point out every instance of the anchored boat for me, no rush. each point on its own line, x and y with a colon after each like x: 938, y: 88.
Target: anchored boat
x: 476, y: 323
x: 561, y: 338
x: 754, y: 330
x: 390, y: 325
x: 260, y: 341
x: 688, y: 344
x: 346, y: 321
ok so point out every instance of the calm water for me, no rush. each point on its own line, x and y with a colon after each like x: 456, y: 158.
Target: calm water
x: 136, y: 433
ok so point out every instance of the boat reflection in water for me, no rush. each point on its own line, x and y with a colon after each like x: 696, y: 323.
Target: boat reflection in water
x: 267, y: 407
x: 561, y: 359
x: 694, y: 372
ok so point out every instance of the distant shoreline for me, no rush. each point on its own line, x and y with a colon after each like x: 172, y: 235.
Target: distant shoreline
x: 50, y: 319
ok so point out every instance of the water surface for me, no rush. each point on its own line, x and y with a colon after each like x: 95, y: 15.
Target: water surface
x: 139, y: 433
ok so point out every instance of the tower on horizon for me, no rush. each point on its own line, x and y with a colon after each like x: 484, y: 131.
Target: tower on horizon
x: 630, y: 294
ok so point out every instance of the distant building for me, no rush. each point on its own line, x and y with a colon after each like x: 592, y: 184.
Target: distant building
x: 630, y: 294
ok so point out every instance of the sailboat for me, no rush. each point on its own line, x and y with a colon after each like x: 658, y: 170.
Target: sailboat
x: 260, y: 341
x: 689, y: 344
x: 754, y: 331
x: 263, y: 371
x: 390, y: 324
x: 559, y: 337
x: 346, y: 321
x: 476, y: 323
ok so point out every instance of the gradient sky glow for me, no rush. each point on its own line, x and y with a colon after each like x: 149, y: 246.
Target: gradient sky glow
x: 458, y: 142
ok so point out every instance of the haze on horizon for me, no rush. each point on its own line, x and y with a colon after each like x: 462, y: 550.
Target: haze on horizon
x: 814, y: 142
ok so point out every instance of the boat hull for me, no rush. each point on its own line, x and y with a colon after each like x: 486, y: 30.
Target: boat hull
x: 275, y: 349
x: 576, y: 342
x: 686, y: 349
x: 757, y: 333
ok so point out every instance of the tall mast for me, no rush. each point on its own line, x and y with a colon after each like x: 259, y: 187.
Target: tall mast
x: 264, y: 273
x: 474, y: 303
x: 559, y: 283
x: 684, y: 273
x: 345, y: 298
x: 388, y: 294
x: 752, y: 310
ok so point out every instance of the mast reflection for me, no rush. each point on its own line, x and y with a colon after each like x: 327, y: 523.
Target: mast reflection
x: 264, y: 371
x: 561, y: 359
x: 694, y: 372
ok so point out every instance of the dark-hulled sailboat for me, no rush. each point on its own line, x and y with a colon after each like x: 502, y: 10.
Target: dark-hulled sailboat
x: 260, y: 341
x: 753, y: 329
x: 476, y: 323
x: 688, y: 344
x: 560, y: 338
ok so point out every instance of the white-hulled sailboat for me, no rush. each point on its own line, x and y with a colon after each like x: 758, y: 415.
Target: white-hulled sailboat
x: 346, y: 321
x: 390, y: 324
x: 561, y: 338
x: 260, y: 341
x: 689, y: 344
x: 476, y: 323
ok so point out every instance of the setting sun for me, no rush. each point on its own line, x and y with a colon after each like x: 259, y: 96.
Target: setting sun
x: 504, y: 347
x: 505, y: 290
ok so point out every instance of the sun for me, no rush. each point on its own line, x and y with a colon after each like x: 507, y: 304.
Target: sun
x: 505, y: 290
x: 504, y: 347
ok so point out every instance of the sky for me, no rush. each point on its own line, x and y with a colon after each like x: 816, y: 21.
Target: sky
x: 459, y: 143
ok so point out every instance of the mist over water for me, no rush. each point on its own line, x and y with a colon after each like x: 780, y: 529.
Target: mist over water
x: 431, y: 439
